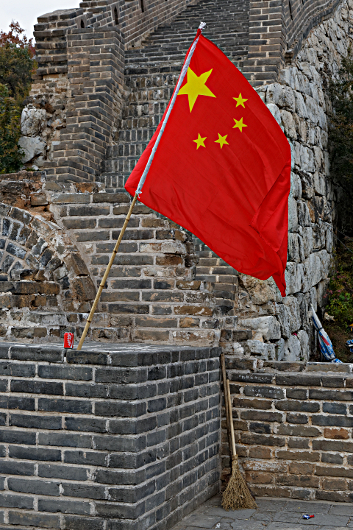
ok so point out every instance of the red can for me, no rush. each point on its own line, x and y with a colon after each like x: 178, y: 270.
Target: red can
x: 68, y: 340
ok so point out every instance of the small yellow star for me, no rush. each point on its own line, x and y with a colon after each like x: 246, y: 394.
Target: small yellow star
x: 240, y: 101
x: 239, y: 124
x: 200, y: 141
x: 222, y: 140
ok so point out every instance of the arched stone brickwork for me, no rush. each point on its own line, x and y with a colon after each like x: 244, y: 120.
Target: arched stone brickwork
x: 42, y: 276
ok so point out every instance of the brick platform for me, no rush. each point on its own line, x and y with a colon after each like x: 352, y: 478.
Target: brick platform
x: 118, y: 437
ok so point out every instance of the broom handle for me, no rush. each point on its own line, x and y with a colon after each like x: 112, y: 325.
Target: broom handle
x: 224, y: 376
x: 106, y: 274
x: 234, y: 452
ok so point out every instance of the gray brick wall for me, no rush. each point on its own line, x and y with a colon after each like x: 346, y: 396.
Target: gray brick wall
x: 116, y: 438
x: 277, y: 30
x: 293, y: 427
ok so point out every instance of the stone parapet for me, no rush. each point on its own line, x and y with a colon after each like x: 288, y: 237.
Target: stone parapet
x: 124, y: 437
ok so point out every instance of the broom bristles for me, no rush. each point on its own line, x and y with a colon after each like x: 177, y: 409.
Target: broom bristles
x: 237, y: 495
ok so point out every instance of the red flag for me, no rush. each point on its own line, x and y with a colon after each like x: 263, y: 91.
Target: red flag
x: 222, y: 168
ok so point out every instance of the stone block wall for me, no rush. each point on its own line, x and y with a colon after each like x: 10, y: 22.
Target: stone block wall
x: 301, y: 17
x: 54, y: 251
x: 293, y: 429
x: 119, y: 438
x: 76, y: 100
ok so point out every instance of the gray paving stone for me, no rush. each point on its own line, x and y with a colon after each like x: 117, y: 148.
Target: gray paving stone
x: 325, y: 519
x: 234, y: 515
x: 272, y: 514
x: 248, y: 525
x: 191, y: 528
x: 287, y: 516
x: 215, y: 511
x: 309, y: 507
x: 199, y: 520
x: 223, y: 525
x: 341, y: 509
x: 288, y: 526
x: 264, y: 517
x: 271, y: 505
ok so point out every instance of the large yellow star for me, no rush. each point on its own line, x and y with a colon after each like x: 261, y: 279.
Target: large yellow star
x: 200, y: 141
x: 222, y: 140
x: 195, y: 87
x: 240, y: 101
x: 239, y: 124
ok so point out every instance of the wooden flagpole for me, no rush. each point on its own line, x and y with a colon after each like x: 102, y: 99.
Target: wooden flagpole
x: 141, y: 183
x: 106, y: 274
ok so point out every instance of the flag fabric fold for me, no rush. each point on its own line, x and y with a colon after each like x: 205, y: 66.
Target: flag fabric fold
x: 222, y: 168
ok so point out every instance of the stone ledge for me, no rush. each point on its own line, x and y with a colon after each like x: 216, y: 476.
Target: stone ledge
x: 125, y: 355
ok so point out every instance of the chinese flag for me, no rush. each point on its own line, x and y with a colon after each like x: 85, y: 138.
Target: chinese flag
x: 222, y: 168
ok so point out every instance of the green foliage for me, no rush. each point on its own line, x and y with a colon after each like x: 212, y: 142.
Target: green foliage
x: 341, y: 142
x: 16, y: 68
x: 10, y: 131
x: 340, y: 290
x: 341, y: 131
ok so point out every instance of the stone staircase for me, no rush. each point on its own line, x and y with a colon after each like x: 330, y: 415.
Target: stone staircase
x: 152, y: 70
x: 151, y: 73
x: 227, y: 26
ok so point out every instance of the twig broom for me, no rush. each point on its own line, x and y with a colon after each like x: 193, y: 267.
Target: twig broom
x: 236, y: 495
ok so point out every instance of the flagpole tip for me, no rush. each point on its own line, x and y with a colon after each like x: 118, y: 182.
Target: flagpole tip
x: 202, y: 25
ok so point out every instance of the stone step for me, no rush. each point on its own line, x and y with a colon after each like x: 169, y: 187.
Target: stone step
x: 223, y: 42
x: 189, y: 34
x: 227, y: 25
x: 226, y: 273
x: 235, y: 32
x: 178, y: 55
